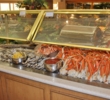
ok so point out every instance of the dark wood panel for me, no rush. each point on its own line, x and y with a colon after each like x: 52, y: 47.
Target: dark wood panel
x: 50, y: 4
x: 1, y: 92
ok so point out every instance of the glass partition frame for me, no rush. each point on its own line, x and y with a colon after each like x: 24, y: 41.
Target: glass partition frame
x: 33, y: 28
x: 71, y: 11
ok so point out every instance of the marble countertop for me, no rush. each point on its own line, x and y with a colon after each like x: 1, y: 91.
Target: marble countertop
x: 70, y: 85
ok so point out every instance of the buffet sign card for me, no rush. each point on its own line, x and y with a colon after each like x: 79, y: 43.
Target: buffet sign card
x: 49, y: 14
x: 22, y: 12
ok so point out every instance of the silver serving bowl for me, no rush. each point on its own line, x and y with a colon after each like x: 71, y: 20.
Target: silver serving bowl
x: 18, y: 60
x: 53, y: 67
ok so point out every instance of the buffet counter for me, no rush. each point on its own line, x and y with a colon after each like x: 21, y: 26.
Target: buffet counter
x: 51, y: 80
x: 79, y: 38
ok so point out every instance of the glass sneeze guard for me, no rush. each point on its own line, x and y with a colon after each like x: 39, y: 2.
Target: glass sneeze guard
x: 16, y: 27
x: 78, y: 28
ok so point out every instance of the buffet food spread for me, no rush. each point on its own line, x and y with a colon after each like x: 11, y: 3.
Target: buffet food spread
x: 92, y: 65
x: 79, y: 39
x: 32, y: 61
x: 85, y: 64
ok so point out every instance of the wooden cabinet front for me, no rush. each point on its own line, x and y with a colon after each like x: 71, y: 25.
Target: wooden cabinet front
x: 57, y: 96
x: 64, y: 94
x: 60, y: 96
x: 1, y: 92
x: 21, y: 91
x: 17, y: 88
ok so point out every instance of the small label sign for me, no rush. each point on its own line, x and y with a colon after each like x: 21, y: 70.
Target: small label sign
x: 49, y: 14
x: 22, y: 13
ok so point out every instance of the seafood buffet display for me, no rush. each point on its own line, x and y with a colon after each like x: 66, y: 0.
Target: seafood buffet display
x: 66, y: 32
x: 57, y: 38
x: 92, y: 65
x: 32, y: 61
